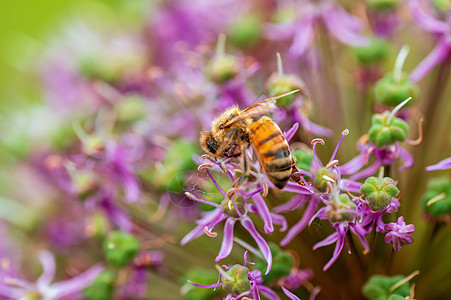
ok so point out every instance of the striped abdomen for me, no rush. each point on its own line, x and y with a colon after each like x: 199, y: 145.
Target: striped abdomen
x: 273, y: 150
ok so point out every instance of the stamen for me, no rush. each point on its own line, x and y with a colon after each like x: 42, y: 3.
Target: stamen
x: 332, y: 163
x: 209, y: 233
x: 265, y: 189
x: 400, y: 59
x: 412, y: 292
x: 396, y: 109
x: 343, y: 134
x: 230, y: 204
x: 279, y: 65
x: 317, y: 140
x: 367, y: 154
x: 328, y: 179
x: 248, y: 247
x: 204, y: 166
x: 436, y: 199
x: 420, y: 134
x: 401, y: 282
x: 315, y: 156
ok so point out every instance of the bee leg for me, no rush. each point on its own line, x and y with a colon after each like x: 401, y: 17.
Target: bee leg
x: 296, y: 178
x: 246, y: 169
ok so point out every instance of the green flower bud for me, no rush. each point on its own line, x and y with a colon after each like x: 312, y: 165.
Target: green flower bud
x: 102, y: 288
x: 379, y: 192
x: 378, y: 287
x: 383, y: 5
x: 444, y: 5
x: 304, y: 159
x: 200, y: 276
x: 229, y: 209
x: 130, y: 110
x: 120, y: 248
x: 239, y: 281
x: 245, y: 31
x: 280, y: 84
x: 281, y: 266
x: 343, y: 202
x: 437, y: 199
x: 171, y: 174
x: 319, y: 182
x: 223, y: 68
x: 376, y: 52
x: 383, y: 133
x: 390, y: 92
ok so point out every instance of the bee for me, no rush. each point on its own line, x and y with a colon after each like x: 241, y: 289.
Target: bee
x: 235, y: 130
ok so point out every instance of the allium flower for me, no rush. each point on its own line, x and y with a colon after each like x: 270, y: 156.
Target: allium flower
x: 17, y: 288
x: 240, y: 282
x: 323, y: 178
x: 398, y: 233
x: 441, y: 165
x: 343, y: 26
x: 234, y: 208
x: 442, y: 29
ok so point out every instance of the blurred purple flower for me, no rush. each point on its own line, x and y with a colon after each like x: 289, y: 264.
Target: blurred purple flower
x: 398, y: 233
x: 17, y: 288
x: 441, y: 165
x: 441, y: 29
x: 342, y: 25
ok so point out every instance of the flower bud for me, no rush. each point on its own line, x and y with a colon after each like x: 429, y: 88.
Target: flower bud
x: 229, y: 209
x: 383, y: 5
x: 437, y: 199
x: 383, y: 133
x: 375, y: 52
x: 120, y: 248
x: 378, y: 192
x: 245, y: 31
x: 223, y: 68
x: 304, y: 159
x: 281, y: 265
x: 237, y: 282
x: 321, y: 177
x: 170, y: 175
x: 280, y: 84
x: 336, y: 214
x: 379, y: 287
x: 391, y: 92
x: 102, y: 288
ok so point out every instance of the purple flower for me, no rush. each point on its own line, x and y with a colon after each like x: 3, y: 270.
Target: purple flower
x: 235, y: 207
x: 18, y: 288
x: 342, y: 25
x: 254, y: 281
x: 398, y: 233
x: 326, y: 179
x: 441, y: 165
x: 442, y: 29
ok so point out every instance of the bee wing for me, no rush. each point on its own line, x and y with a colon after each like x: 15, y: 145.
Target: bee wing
x: 257, y: 109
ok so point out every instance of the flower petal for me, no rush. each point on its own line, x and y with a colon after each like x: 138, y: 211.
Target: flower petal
x: 262, y: 244
x: 290, y: 294
x: 303, y: 37
x: 426, y: 21
x: 207, y: 220
x: 437, y: 55
x: 227, y: 240
x: 263, y: 212
x: 336, y: 24
x: 299, y: 226
x: 441, y: 165
x: 406, y: 157
x: 77, y: 283
x: 49, y: 266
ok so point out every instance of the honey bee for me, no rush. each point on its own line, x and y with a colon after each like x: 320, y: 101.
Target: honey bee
x: 237, y: 129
